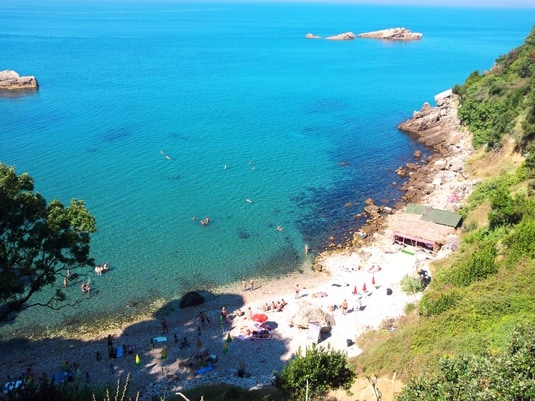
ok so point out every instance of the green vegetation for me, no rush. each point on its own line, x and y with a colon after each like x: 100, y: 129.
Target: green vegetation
x: 38, y: 243
x: 311, y: 375
x: 473, y: 334
x: 502, y: 102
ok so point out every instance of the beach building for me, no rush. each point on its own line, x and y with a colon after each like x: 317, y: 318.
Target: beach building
x: 424, y: 227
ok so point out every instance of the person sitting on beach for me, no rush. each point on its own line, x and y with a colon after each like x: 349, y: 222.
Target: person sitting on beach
x: 184, y: 343
x: 105, y: 267
x: 84, y: 287
x: 98, y: 270
x: 224, y: 314
x: 273, y: 306
x: 265, y: 307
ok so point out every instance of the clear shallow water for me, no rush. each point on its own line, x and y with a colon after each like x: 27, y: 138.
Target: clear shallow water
x: 215, y: 85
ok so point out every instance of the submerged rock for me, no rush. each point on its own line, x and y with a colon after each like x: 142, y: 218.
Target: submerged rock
x: 342, y: 36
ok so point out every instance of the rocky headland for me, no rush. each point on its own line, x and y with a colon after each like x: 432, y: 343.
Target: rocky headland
x: 392, y: 34
x: 11, y: 80
x: 439, y: 129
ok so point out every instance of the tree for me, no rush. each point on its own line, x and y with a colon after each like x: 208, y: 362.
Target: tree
x: 316, y: 372
x: 38, y: 243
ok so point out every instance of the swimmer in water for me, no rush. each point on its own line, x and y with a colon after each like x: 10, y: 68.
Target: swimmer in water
x: 248, y: 200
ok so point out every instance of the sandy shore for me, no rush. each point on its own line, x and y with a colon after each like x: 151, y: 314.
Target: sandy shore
x: 379, y: 266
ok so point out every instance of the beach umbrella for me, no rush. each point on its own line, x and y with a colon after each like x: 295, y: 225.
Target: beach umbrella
x: 138, y: 361
x: 259, y: 318
x: 373, y: 279
x: 355, y: 292
x: 364, y: 288
x: 229, y: 338
x: 199, y: 343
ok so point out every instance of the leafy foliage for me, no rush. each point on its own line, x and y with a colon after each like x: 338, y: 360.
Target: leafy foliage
x: 493, y: 103
x: 316, y: 371
x: 505, y: 376
x: 411, y: 284
x: 38, y: 242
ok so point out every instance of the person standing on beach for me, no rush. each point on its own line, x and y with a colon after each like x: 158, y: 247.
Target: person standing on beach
x: 252, y: 285
x: 65, y: 282
x: 203, y: 319
x: 344, y: 306
x: 297, y: 291
x: 244, y: 285
x: 165, y: 326
x: 110, y: 342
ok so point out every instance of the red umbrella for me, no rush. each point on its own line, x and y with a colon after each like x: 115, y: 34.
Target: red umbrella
x: 364, y: 288
x: 355, y: 292
x: 259, y: 317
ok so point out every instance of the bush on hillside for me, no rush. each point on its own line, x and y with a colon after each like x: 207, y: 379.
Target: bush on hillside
x: 315, y: 372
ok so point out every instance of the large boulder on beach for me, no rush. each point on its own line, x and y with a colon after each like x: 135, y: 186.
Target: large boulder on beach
x: 191, y: 298
x: 310, y: 313
x: 11, y: 80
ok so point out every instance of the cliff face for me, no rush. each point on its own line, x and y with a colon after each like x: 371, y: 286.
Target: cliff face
x: 392, y: 34
x: 11, y: 80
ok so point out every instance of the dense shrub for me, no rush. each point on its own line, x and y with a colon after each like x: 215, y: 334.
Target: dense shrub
x: 315, y: 372
x: 506, y: 376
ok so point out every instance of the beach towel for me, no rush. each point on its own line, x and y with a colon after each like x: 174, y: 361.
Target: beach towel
x: 206, y: 369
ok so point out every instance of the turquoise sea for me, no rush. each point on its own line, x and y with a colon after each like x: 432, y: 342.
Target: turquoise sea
x: 156, y: 113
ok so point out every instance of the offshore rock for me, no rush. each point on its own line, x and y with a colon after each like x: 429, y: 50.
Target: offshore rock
x: 342, y: 36
x: 392, y: 34
x: 11, y: 80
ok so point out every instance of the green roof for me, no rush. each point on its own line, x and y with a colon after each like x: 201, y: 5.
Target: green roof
x: 437, y: 216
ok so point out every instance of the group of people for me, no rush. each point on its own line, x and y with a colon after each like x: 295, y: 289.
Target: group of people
x: 276, y: 306
x: 244, y: 285
x: 100, y: 269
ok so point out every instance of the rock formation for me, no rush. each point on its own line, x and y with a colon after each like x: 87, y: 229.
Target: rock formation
x: 10, y: 80
x: 438, y: 128
x: 392, y: 34
x: 342, y: 36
